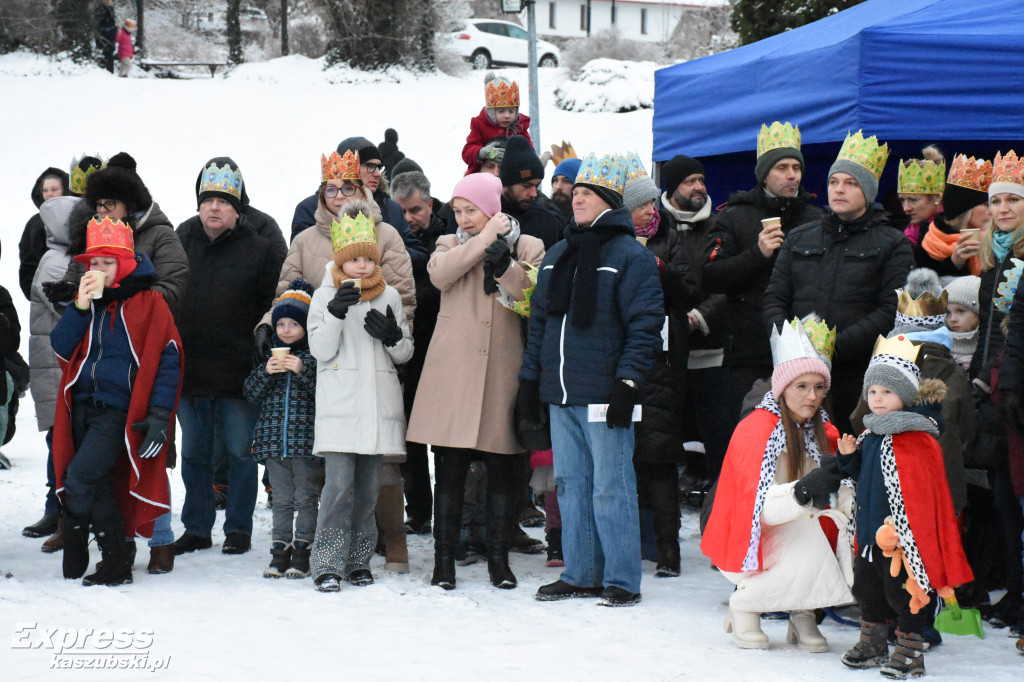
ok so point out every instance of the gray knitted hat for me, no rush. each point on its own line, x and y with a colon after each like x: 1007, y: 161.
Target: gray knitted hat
x: 639, y: 191
x: 899, y: 375
x: 964, y: 291
x: 867, y: 181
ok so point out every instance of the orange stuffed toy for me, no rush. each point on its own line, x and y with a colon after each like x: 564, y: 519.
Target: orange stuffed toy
x: 889, y: 540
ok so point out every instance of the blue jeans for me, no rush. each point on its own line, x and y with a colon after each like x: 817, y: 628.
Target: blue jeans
x: 235, y: 420
x: 162, y: 533
x: 597, y: 498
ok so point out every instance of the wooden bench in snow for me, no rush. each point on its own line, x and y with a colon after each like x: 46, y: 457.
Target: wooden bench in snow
x: 212, y: 66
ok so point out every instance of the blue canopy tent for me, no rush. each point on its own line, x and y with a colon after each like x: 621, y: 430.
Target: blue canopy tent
x: 911, y: 72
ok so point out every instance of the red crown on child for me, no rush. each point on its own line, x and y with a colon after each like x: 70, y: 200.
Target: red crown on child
x: 1008, y: 168
x: 337, y: 167
x: 971, y: 173
x: 502, y: 95
x: 108, y: 236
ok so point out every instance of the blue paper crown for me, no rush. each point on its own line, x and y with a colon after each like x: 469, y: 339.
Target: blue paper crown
x: 608, y: 171
x: 222, y: 179
x: 1008, y: 287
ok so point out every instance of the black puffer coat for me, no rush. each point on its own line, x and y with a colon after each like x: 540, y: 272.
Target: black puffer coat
x: 537, y: 221
x: 990, y: 332
x: 845, y: 272
x: 735, y: 266
x: 33, y: 240
x: 659, y: 435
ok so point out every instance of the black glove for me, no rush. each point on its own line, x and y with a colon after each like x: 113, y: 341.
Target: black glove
x: 345, y: 297
x: 1013, y: 409
x: 499, y: 256
x: 819, y: 484
x: 620, y: 405
x: 261, y: 349
x: 60, y: 291
x: 528, y: 401
x: 490, y: 284
x: 383, y: 327
x: 156, y: 426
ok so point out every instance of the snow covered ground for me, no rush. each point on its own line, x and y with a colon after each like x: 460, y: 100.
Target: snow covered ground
x: 215, y: 617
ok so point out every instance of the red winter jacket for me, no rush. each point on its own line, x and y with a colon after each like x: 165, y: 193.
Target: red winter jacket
x: 482, y: 129
x: 125, y: 49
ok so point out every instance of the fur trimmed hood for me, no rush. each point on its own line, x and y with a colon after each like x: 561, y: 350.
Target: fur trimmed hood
x: 931, y: 392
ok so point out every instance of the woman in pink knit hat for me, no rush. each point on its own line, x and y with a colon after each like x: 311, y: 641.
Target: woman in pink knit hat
x: 463, y: 407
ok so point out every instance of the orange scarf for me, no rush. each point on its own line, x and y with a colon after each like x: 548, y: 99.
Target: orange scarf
x: 940, y: 246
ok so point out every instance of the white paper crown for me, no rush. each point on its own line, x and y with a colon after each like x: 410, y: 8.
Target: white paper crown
x: 794, y: 343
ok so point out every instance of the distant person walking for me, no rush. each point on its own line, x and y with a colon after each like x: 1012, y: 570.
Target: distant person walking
x: 124, y: 48
x: 106, y: 29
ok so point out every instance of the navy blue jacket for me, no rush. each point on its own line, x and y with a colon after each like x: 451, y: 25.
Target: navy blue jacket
x: 579, y: 366
x: 390, y: 212
x: 108, y: 373
x: 285, y: 427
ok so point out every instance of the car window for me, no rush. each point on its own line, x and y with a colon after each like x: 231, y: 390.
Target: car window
x: 516, y: 32
x: 495, y: 29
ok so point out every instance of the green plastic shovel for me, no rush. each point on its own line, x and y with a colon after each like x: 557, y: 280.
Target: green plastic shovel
x: 956, y: 621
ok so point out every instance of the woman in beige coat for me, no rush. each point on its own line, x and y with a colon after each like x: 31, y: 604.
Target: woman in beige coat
x: 463, y: 406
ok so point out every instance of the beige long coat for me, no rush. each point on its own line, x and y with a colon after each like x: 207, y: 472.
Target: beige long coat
x: 471, y: 372
x: 311, y: 250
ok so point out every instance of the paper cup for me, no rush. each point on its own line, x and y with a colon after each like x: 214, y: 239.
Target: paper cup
x: 281, y: 352
x: 98, y: 280
x: 642, y: 240
x: 357, y: 283
x: 972, y: 233
x: 771, y: 223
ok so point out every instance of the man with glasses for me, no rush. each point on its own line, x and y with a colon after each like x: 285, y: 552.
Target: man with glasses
x: 371, y: 169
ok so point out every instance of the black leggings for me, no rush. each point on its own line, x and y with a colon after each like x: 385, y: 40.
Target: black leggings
x: 882, y: 597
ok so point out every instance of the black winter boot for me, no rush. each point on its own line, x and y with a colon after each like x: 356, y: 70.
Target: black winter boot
x: 281, y: 557
x: 872, y: 650
x: 447, y: 524
x: 907, y: 659
x: 499, y: 509
x: 662, y: 481
x: 76, y: 547
x: 116, y: 569
x: 299, y: 564
x: 554, y: 540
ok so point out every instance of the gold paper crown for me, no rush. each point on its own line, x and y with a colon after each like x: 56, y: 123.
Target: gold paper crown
x: 79, y: 177
x: 336, y: 167
x: 349, y: 231
x: 501, y: 95
x: 1008, y: 169
x: 865, y: 152
x: 560, y: 153
x: 925, y: 305
x: 222, y: 179
x: 608, y: 171
x: 971, y: 173
x: 778, y: 136
x: 921, y: 177
x: 898, y: 346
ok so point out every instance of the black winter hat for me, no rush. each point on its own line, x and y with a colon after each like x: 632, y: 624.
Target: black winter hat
x: 957, y: 200
x: 123, y: 160
x: 117, y: 182
x: 678, y: 169
x: 520, y: 164
x: 360, y: 145
x: 404, y: 166
x: 221, y: 161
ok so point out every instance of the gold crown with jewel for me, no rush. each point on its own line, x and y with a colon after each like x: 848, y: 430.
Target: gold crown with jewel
x: 971, y: 173
x: 777, y: 136
x: 222, y: 179
x: 1008, y: 169
x: 898, y: 346
x: 79, y: 177
x: 349, y: 231
x: 921, y: 177
x: 864, y: 152
x: 503, y: 94
x: 808, y: 339
x: 337, y: 167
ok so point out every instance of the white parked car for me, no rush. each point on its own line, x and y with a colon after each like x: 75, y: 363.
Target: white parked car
x: 492, y: 42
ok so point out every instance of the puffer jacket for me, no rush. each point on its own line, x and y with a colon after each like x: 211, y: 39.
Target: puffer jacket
x: 311, y: 250
x: 285, y: 424
x: 33, y: 240
x: 154, y: 236
x: 734, y: 266
x: 44, y: 372
x: 359, y: 407
x: 579, y: 366
x: 845, y: 272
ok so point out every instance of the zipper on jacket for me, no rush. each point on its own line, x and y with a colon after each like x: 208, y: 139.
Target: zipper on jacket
x: 287, y: 403
x: 561, y: 361
x: 99, y: 354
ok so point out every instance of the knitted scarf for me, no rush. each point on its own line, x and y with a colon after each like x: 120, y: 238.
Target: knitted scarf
x: 372, y: 286
x: 650, y: 230
x: 574, y: 274
x: 1001, y: 243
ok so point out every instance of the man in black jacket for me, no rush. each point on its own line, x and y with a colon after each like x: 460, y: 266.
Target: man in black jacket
x: 845, y: 268
x: 741, y: 251
x: 234, y: 277
x: 521, y: 174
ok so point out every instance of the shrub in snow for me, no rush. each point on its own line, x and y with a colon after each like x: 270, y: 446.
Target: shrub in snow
x: 609, y: 85
x: 609, y: 44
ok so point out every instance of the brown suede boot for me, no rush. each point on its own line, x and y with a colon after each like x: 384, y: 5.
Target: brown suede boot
x: 391, y: 516
x: 161, y: 559
x: 55, y: 542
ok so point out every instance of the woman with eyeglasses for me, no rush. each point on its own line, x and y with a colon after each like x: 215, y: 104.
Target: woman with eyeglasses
x: 777, y: 526
x: 342, y: 193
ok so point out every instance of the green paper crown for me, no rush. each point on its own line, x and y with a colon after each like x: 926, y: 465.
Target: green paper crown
x: 349, y: 231
x: 778, y: 136
x: 823, y: 338
x: 865, y: 152
x: 921, y: 177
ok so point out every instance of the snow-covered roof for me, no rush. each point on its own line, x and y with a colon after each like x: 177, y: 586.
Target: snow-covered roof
x: 720, y: 4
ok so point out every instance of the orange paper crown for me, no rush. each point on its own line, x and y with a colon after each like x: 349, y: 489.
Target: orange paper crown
x: 502, y: 95
x: 110, y: 237
x: 1008, y: 169
x: 336, y: 167
x: 971, y: 173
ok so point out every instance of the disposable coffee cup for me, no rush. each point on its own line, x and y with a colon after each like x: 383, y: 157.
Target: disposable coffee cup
x: 357, y: 283
x: 281, y: 352
x: 972, y: 233
x: 642, y: 240
x: 98, y: 280
x: 771, y: 223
